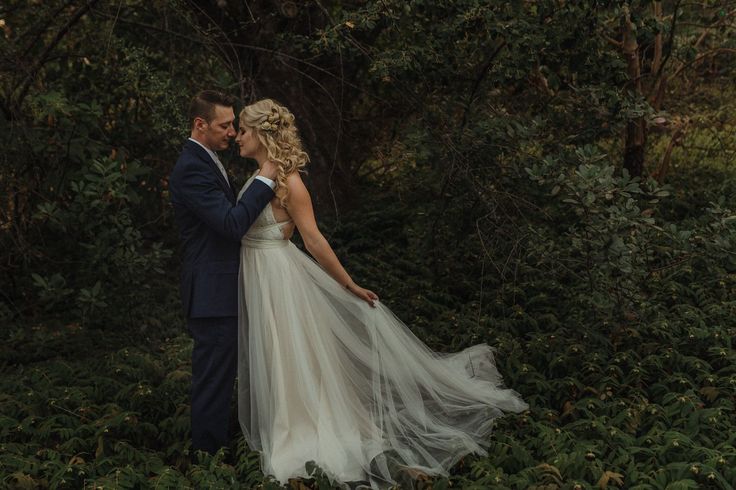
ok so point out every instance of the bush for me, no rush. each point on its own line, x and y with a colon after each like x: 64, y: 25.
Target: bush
x: 108, y: 274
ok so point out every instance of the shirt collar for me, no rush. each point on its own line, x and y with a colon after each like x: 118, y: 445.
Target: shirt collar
x: 211, y: 153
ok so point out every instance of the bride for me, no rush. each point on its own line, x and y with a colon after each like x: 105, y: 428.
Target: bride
x: 326, y: 372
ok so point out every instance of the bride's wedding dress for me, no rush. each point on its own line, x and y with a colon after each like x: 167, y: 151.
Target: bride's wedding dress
x: 324, y: 377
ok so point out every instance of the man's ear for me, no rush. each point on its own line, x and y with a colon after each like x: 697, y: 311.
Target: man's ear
x: 200, y: 124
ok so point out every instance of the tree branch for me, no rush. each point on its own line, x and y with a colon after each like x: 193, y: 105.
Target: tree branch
x: 700, y: 57
x: 668, y: 52
x: 476, y: 85
x: 26, y: 84
x: 43, y: 28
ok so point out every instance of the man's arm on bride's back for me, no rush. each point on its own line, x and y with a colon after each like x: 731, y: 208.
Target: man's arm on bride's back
x: 199, y: 191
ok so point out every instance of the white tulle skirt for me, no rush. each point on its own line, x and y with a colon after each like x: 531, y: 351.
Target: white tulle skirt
x: 324, y: 377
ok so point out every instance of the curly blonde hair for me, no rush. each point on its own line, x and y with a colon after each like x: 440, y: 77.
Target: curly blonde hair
x: 275, y: 129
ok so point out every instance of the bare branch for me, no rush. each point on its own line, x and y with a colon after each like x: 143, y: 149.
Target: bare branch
x: 26, y: 83
x: 700, y: 57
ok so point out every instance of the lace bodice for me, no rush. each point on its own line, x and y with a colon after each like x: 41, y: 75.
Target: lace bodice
x: 265, y: 232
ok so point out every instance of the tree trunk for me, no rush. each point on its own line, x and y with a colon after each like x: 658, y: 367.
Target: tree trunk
x: 636, y: 129
x: 636, y: 136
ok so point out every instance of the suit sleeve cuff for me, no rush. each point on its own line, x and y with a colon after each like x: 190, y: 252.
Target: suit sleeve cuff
x: 266, y: 181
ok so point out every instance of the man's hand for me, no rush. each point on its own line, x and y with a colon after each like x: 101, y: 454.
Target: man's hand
x: 268, y: 170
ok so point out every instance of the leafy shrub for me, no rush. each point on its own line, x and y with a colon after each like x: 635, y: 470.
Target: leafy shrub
x: 109, y: 270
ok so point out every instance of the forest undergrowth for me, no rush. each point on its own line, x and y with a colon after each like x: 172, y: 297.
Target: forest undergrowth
x: 642, y: 400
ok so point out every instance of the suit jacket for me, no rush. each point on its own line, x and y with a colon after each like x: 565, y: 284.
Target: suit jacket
x: 211, y: 224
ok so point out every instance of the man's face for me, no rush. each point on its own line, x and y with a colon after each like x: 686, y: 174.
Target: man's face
x: 219, y: 131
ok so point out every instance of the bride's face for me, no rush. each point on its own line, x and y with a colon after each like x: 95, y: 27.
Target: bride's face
x: 247, y: 141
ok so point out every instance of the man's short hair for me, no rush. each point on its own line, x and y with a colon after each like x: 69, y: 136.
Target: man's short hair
x: 203, y: 104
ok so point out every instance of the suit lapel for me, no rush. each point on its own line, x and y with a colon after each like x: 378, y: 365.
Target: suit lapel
x: 203, y: 155
x: 232, y: 188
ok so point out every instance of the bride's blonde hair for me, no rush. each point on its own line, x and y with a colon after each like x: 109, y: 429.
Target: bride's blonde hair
x: 275, y: 129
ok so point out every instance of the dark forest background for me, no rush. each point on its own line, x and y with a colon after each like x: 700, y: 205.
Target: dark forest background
x: 554, y: 178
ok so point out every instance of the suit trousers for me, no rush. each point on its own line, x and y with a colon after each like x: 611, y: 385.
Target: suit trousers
x: 214, y: 366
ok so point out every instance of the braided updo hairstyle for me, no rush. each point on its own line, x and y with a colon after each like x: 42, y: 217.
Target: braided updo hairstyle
x: 275, y: 129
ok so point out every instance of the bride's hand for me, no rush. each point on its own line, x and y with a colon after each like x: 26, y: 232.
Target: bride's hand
x: 365, y: 294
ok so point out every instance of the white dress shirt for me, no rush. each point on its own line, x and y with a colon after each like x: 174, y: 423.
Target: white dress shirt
x: 217, y: 161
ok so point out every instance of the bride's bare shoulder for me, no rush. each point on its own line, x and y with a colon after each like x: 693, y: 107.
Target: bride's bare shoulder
x: 297, y: 191
x: 295, y: 183
x: 294, y: 178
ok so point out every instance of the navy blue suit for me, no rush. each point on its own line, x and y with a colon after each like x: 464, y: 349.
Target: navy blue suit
x: 211, y: 223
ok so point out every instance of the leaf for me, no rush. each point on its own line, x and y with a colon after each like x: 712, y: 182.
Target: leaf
x: 709, y: 392
x: 551, y: 471
x: 685, y: 484
x: 610, y: 476
x: 39, y: 281
x: 76, y: 460
x: 100, y: 447
x: 567, y: 408
x: 23, y: 481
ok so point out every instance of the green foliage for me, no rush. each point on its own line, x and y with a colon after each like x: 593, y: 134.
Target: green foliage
x: 607, y: 330
x: 87, y: 148
x: 477, y: 146
x: 112, y: 271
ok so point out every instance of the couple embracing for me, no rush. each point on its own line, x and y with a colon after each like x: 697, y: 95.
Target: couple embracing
x: 326, y: 373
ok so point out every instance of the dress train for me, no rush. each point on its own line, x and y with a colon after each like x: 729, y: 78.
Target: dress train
x: 324, y: 377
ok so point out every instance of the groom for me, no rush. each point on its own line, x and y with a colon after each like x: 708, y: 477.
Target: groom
x: 211, y: 223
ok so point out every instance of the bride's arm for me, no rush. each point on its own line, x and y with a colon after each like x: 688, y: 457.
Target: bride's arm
x: 301, y: 211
